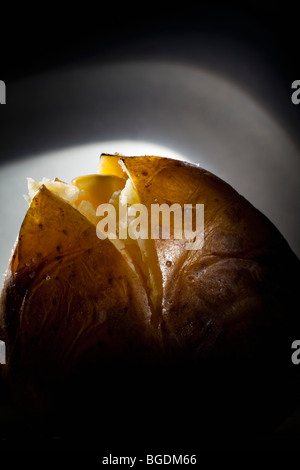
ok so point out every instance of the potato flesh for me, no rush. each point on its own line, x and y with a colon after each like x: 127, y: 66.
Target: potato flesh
x: 110, y: 186
x: 142, y: 252
x: 67, y: 192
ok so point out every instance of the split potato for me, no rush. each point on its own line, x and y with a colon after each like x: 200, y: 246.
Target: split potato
x: 72, y: 302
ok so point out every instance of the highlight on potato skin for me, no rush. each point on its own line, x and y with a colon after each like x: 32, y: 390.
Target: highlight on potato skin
x: 74, y: 307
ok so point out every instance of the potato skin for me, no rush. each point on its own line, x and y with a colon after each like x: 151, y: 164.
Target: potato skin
x: 229, y: 309
x: 68, y: 301
x: 243, y: 279
x: 72, y: 311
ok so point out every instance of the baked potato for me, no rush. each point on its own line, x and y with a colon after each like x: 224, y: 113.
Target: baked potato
x: 147, y: 326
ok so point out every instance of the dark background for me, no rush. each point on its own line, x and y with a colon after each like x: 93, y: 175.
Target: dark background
x: 48, y: 35
x: 256, y: 46
x: 34, y: 40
